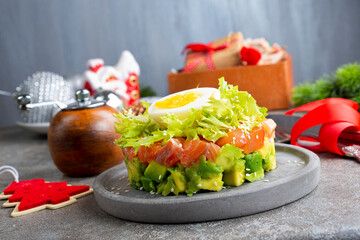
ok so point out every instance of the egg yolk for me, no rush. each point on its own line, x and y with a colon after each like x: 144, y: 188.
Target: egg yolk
x: 179, y: 100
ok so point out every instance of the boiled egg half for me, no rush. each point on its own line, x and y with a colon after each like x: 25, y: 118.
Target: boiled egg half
x: 181, y: 103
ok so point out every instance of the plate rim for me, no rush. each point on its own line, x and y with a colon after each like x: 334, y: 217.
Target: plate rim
x: 101, y: 193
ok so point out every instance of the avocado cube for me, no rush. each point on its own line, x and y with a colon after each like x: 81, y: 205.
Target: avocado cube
x: 148, y: 184
x: 253, y: 167
x: 170, y: 187
x: 208, y: 169
x: 212, y: 184
x: 227, y: 157
x: 161, y: 186
x: 235, y: 177
x: 135, y: 170
x: 179, y: 180
x: 253, y: 162
x: 269, y: 160
x: 155, y: 171
x: 265, y: 150
x: 272, y: 158
x: 254, y: 175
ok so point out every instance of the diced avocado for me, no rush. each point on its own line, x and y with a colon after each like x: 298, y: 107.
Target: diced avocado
x: 212, y: 184
x: 227, y: 156
x: 268, y: 154
x: 161, y: 186
x: 170, y: 187
x: 266, y: 163
x: 253, y: 162
x: 193, y: 182
x: 254, y: 175
x: 208, y: 169
x: 148, y: 184
x: 235, y: 177
x: 135, y: 171
x: 205, y: 175
x: 265, y: 150
x: 253, y: 167
x: 272, y: 155
x: 180, y: 180
x: 155, y: 171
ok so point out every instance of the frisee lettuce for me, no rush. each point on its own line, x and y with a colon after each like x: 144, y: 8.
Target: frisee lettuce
x: 234, y: 109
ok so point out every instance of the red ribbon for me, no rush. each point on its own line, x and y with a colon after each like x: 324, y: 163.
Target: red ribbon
x: 337, y: 116
x: 203, y: 53
x: 201, y: 47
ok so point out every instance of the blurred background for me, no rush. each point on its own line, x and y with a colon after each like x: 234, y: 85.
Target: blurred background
x: 60, y: 36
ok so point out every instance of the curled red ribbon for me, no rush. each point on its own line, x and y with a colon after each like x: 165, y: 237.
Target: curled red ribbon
x: 336, y: 115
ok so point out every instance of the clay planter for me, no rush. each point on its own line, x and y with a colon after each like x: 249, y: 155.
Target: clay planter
x: 81, y: 141
x: 270, y: 85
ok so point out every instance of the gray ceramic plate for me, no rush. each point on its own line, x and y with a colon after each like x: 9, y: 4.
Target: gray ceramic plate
x: 296, y: 175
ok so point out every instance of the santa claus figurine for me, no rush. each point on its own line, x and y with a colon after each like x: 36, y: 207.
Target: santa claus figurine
x: 122, y: 79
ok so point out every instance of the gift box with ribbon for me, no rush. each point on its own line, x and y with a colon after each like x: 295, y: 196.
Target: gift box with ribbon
x: 221, y: 53
x: 269, y: 79
x: 254, y: 65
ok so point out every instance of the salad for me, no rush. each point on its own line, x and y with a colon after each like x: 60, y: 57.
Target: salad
x: 201, y: 139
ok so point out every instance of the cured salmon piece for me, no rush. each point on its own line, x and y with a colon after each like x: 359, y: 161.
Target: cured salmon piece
x: 212, y: 152
x: 248, y: 142
x: 234, y: 137
x: 170, y: 154
x: 193, y: 150
x: 269, y: 127
x: 129, y: 153
x: 255, y: 140
x: 147, y: 154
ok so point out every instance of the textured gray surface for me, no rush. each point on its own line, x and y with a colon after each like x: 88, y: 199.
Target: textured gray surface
x: 60, y: 36
x: 290, y: 181
x: 330, y: 211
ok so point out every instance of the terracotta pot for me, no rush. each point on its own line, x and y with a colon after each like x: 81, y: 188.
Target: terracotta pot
x: 81, y: 141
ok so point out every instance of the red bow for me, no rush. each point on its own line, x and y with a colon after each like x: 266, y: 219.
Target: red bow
x: 338, y: 116
x: 201, y: 47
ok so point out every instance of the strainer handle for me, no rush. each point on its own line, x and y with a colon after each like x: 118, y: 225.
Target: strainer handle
x: 24, y: 103
x: 4, y: 93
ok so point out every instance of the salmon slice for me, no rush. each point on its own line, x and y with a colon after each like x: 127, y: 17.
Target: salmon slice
x: 129, y: 153
x: 247, y: 142
x: 147, y: 154
x: 193, y: 150
x: 269, y: 127
x: 255, y: 140
x: 170, y: 154
x: 234, y: 137
x: 212, y: 152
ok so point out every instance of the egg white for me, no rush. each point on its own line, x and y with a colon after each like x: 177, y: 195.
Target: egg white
x: 184, y: 111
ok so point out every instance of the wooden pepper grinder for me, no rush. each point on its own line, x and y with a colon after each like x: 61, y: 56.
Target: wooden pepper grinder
x: 81, y: 137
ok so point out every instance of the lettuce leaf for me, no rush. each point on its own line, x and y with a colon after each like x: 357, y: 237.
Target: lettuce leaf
x: 234, y: 109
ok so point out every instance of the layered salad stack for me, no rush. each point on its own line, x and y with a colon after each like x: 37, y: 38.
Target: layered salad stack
x: 197, y: 140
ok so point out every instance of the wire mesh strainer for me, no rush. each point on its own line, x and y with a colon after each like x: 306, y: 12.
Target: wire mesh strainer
x: 44, y: 87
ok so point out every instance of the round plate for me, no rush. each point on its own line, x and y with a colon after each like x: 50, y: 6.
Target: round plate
x: 41, y: 128
x: 297, y: 174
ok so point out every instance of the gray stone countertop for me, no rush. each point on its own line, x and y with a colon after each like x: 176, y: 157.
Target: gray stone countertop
x: 331, y: 211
